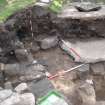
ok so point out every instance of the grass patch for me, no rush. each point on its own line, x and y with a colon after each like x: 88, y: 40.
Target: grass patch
x: 8, y: 9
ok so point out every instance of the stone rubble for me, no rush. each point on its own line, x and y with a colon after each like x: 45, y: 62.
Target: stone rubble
x: 25, y: 70
x: 21, y: 87
x: 5, y: 94
x: 9, y: 97
x: 23, y: 55
x: 8, y: 85
x: 48, y: 42
x: 98, y: 68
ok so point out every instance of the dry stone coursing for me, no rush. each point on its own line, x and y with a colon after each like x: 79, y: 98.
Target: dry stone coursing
x: 24, y: 72
x: 21, y: 72
x: 46, y: 23
x: 82, y: 24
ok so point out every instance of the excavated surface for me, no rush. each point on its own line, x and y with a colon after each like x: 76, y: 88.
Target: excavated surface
x: 45, y: 24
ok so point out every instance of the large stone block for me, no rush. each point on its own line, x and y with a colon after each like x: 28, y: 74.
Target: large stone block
x: 86, y: 94
x: 97, y: 68
x: 48, y: 42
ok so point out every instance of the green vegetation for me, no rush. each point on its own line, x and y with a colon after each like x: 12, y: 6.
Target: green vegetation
x: 7, y: 8
x: 56, y: 5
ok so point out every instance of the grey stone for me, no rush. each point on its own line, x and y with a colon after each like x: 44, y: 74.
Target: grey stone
x: 25, y: 71
x: 83, y: 71
x: 19, y: 44
x: 87, y: 7
x: 35, y: 47
x: 1, y: 50
x: 26, y: 99
x: 39, y: 10
x: 49, y: 42
x: 8, y: 85
x: 86, y: 94
x: 97, y: 68
x: 89, y: 51
x: 5, y: 94
x: 34, y: 72
x: 23, y: 55
x: 70, y: 17
x: 1, y: 88
x: 1, y: 76
x: 10, y: 24
x: 39, y: 67
x: 41, y: 88
x: 100, y: 103
x: 12, y: 100
x: 84, y: 68
x: 32, y: 77
x: 13, y: 69
x: 90, y: 81
x: 21, y: 87
x: 19, y: 99
x: 72, y: 13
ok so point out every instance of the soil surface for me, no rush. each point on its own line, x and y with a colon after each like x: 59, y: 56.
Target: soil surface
x: 57, y: 60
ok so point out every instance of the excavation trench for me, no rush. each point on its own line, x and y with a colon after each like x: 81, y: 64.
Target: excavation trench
x: 39, y: 31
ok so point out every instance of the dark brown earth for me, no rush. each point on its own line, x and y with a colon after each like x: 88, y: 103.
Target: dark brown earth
x: 58, y: 60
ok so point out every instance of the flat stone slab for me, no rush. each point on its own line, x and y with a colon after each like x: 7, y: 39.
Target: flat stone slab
x: 41, y: 88
x: 72, y: 13
x: 89, y: 51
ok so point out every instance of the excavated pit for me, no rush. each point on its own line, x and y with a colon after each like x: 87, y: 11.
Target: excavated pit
x: 46, y: 24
